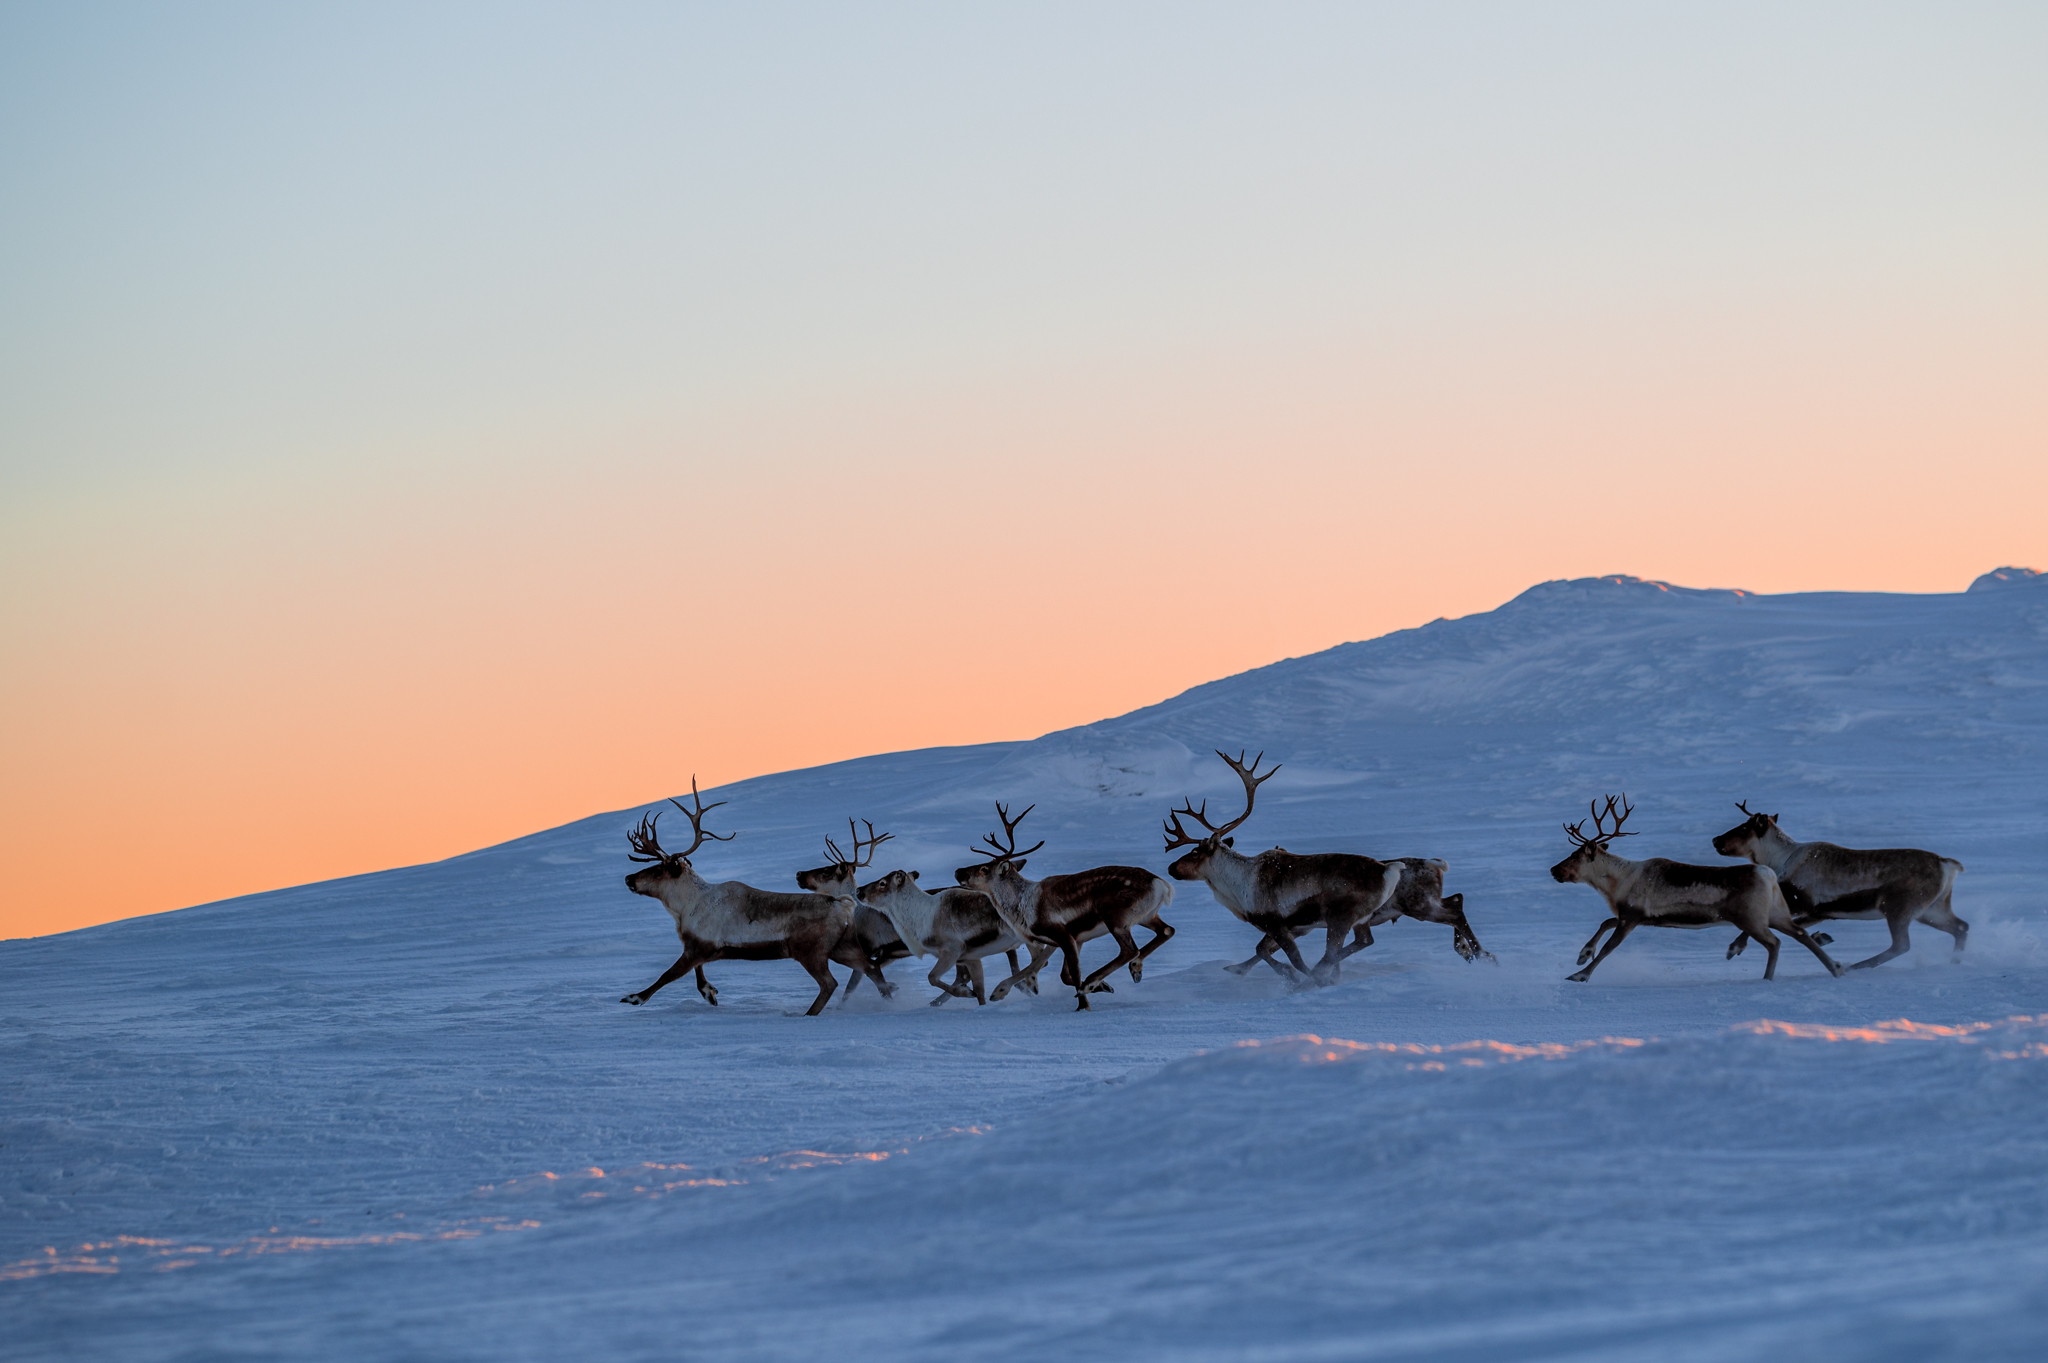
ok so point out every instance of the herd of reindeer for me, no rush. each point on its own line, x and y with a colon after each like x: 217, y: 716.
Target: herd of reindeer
x: 1786, y: 887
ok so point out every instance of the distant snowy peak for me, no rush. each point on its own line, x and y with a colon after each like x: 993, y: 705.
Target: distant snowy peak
x: 1999, y: 578
x: 1622, y: 587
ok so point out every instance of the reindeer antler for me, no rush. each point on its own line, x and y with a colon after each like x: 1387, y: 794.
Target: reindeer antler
x: 1007, y: 849
x: 1177, y: 835
x: 696, y: 818
x: 858, y: 859
x: 645, y: 842
x: 1602, y: 835
x: 1743, y: 805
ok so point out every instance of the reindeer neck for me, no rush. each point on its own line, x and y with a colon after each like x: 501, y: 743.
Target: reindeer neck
x: 1773, y: 849
x: 1232, y: 877
x: 910, y: 911
x: 1610, y: 874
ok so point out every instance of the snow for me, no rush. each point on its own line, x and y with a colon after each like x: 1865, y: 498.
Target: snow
x: 404, y: 1115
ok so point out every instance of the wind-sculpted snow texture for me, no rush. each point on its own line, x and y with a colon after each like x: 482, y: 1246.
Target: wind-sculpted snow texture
x: 403, y: 1115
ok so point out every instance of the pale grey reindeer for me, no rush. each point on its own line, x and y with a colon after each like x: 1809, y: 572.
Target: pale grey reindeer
x: 734, y: 921
x: 956, y: 926
x: 1672, y: 894
x: 1064, y: 911
x: 1821, y: 881
x: 1278, y: 892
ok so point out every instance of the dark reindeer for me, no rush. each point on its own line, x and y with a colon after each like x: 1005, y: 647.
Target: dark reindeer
x: 1420, y: 896
x: 1672, y: 894
x: 873, y: 941
x: 734, y: 921
x: 1282, y: 894
x: 1821, y: 881
x: 1067, y: 910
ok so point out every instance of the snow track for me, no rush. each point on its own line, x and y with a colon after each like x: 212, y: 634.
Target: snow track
x: 402, y: 1116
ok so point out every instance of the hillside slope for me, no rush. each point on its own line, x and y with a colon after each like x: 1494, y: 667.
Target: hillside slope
x: 363, y: 1116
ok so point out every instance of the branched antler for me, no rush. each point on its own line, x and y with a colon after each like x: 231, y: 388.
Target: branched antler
x: 1006, y: 850
x: 1177, y: 835
x: 646, y: 841
x: 859, y: 858
x: 646, y: 847
x: 1601, y: 834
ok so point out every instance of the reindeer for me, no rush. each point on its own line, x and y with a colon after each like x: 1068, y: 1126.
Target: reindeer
x: 1822, y: 881
x: 1421, y: 896
x: 1064, y: 911
x: 730, y: 920
x: 1278, y: 892
x: 1671, y: 894
x: 873, y: 942
x: 956, y: 925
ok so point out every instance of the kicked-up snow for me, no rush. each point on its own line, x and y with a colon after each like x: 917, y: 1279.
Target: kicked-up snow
x: 404, y: 1115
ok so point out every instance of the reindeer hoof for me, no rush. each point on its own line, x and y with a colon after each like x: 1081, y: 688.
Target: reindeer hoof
x: 1137, y: 975
x: 1238, y: 969
x: 635, y: 999
x: 1823, y: 938
x: 1579, y: 978
x: 1587, y: 955
x: 1081, y: 1004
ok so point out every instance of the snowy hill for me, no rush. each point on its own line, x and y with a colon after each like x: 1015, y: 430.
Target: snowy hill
x: 366, y: 1117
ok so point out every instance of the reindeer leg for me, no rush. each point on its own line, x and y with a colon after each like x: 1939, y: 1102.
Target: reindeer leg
x: 1028, y: 976
x: 1127, y: 954
x: 1070, y: 965
x: 944, y: 960
x: 685, y: 963
x: 1463, y: 940
x: 704, y: 987
x: 1735, y: 947
x: 1011, y: 957
x: 1161, y: 930
x: 1586, y: 951
x: 1942, y: 918
x: 1770, y: 941
x: 821, y: 971
x: 1902, y: 941
x: 1286, y: 940
x: 1264, y: 953
x: 1812, y: 944
x: 1621, y: 933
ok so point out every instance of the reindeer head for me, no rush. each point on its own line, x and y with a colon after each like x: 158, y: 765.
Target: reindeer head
x: 1589, y: 849
x: 1744, y: 839
x: 668, y: 866
x: 835, y: 877
x: 895, y: 883
x: 1191, y: 866
x: 1003, y: 862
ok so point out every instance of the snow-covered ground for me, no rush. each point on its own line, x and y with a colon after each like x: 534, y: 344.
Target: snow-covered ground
x: 404, y: 1115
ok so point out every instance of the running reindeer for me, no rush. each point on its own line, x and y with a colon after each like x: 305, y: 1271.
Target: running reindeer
x: 1822, y: 881
x: 735, y: 921
x: 1066, y: 910
x: 1672, y: 894
x: 1282, y: 894
x: 955, y: 925
x: 874, y: 940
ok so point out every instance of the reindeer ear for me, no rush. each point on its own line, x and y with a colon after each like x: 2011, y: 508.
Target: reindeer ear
x: 1018, y: 863
x: 1230, y: 842
x: 913, y: 875
x: 1774, y: 818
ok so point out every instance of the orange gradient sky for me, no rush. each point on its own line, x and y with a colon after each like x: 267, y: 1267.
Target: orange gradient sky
x: 421, y: 429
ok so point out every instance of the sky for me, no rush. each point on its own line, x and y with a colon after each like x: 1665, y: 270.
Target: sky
x: 420, y: 426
